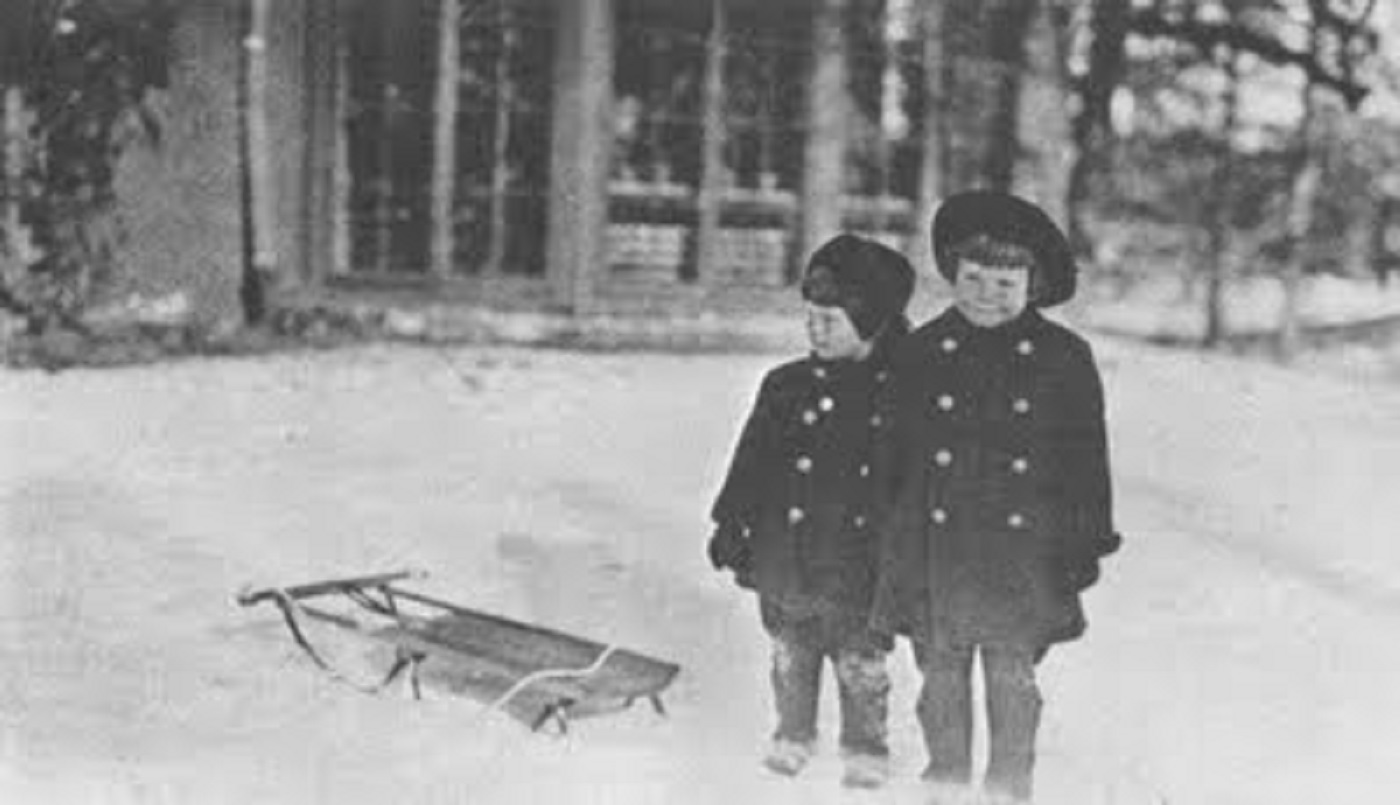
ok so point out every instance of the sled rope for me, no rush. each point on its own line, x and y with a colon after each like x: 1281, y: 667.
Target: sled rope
x: 553, y: 673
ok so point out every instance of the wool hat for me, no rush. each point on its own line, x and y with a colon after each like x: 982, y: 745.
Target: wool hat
x: 1009, y: 219
x: 870, y: 281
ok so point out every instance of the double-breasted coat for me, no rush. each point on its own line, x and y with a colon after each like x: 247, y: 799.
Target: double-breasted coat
x: 999, y: 501
x: 803, y: 486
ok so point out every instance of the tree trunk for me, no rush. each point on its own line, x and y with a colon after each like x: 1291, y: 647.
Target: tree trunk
x: 1044, y: 139
x: 933, y: 174
x: 713, y: 179
x: 1301, y: 202
x: 1358, y: 242
x: 17, y: 251
x: 1092, y: 127
x: 1382, y: 255
x: 1006, y: 47
x: 1217, y: 221
x: 261, y: 258
x: 969, y: 82
x: 1356, y: 257
x: 828, y: 109
x: 498, y: 223
x: 12, y: 137
x: 20, y: 35
x: 581, y: 146
x: 444, y: 182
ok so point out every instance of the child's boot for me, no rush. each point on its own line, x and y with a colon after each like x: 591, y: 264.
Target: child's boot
x: 787, y: 758
x: 998, y: 797
x: 941, y: 792
x: 866, y: 771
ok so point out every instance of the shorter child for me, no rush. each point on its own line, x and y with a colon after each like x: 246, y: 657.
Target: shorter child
x: 793, y: 519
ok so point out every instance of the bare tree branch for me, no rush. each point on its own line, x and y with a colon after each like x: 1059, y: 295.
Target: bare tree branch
x: 1208, y: 35
x: 1324, y: 13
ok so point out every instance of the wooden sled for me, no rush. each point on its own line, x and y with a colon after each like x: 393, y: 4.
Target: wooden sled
x: 537, y: 675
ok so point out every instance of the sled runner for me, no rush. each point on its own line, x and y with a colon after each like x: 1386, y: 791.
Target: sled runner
x: 535, y: 674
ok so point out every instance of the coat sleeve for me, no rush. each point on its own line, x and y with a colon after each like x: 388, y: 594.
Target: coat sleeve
x: 740, y: 495
x: 1087, y: 527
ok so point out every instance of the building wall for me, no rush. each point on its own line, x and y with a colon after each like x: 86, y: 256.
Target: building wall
x: 183, y: 201
x: 180, y: 199
x: 286, y: 113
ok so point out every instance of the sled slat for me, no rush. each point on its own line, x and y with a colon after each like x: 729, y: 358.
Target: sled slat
x: 319, y: 588
x: 529, y: 646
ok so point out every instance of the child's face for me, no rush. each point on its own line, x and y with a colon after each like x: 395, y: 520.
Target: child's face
x: 833, y: 336
x: 989, y: 296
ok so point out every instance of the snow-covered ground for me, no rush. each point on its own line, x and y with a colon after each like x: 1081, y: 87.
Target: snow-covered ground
x: 1242, y: 647
x: 1162, y: 306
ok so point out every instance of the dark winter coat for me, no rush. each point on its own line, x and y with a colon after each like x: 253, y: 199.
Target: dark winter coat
x: 801, y: 483
x: 1000, y: 496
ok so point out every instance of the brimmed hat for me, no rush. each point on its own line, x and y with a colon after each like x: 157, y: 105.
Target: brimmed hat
x: 1011, y: 219
x: 871, y: 281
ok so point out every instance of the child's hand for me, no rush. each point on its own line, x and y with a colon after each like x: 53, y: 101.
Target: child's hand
x: 743, y: 574
x: 1080, y: 573
x: 729, y: 548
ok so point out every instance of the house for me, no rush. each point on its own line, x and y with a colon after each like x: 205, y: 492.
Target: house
x: 579, y: 156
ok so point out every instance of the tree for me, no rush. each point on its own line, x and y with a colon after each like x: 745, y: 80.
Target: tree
x: 1324, y: 22
x: 17, y: 60
x: 1144, y: 46
x: 1007, y: 24
x: 828, y: 109
x: 937, y: 78
x: 1092, y: 127
x: 1221, y: 199
x: 1045, y: 145
x: 76, y: 78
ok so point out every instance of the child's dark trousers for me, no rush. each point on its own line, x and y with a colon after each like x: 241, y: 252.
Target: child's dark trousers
x: 801, y: 645
x: 1013, y: 714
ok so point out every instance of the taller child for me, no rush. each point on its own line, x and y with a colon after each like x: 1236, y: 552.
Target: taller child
x: 1001, y: 503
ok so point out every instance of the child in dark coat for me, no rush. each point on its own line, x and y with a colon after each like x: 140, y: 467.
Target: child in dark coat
x: 793, y: 518
x: 1001, y: 503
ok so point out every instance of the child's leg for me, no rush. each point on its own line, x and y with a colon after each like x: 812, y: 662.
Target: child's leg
x: 864, y: 685
x: 945, y: 711
x: 1013, y: 715
x: 796, y: 677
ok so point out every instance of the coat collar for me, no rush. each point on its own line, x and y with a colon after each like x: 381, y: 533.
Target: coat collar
x: 824, y: 369
x: 1023, y: 326
x: 878, y: 360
